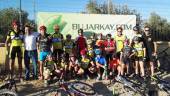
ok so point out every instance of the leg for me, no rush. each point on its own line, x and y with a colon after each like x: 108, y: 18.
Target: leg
x: 12, y: 60
x: 19, y: 54
x: 141, y: 64
x: 27, y: 62
x: 34, y: 62
x: 152, y: 68
x: 136, y: 67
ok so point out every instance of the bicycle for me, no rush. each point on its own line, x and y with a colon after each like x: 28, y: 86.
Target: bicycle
x: 132, y: 86
x: 75, y: 88
x: 162, y: 84
x: 6, y: 88
x: 162, y: 60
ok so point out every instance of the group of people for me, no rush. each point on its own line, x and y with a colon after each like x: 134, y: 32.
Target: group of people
x: 56, y: 56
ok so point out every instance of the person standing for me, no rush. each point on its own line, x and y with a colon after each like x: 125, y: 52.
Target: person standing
x: 30, y: 52
x: 151, y: 48
x: 120, y: 39
x: 44, y: 48
x: 81, y: 43
x: 15, y: 38
x: 57, y: 44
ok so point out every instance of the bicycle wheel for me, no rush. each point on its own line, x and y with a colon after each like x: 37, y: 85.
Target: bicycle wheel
x: 6, y: 92
x: 83, y: 88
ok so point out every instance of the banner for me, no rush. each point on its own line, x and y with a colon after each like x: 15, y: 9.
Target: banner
x: 91, y: 23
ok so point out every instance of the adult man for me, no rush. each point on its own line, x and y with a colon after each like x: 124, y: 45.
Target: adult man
x: 15, y: 38
x: 80, y: 42
x: 151, y: 48
x: 119, y: 38
x: 44, y: 47
x: 30, y: 52
x: 57, y: 43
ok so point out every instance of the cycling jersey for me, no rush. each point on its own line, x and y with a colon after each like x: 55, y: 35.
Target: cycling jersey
x: 101, y: 60
x: 119, y: 42
x: 57, y: 40
x: 127, y: 50
x: 50, y: 65
x: 85, y: 63
x: 44, y: 42
x: 139, y: 49
x: 81, y: 43
x: 114, y: 63
x: 68, y: 46
x: 109, y: 44
x: 15, y: 37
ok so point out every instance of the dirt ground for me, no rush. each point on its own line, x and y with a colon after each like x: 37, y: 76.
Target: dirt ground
x: 102, y: 87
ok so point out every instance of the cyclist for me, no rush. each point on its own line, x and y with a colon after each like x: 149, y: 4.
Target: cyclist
x: 100, y: 42
x: 119, y: 38
x: 115, y: 66
x: 126, y: 56
x: 151, y: 48
x: 80, y: 42
x: 15, y: 38
x: 101, y: 65
x: 57, y: 44
x: 136, y: 34
x: 86, y: 63
x: 110, y: 47
x: 44, y: 47
x: 140, y: 53
x: 30, y: 52
x: 69, y: 46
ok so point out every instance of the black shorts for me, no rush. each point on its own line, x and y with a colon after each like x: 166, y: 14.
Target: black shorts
x: 57, y: 53
x: 126, y: 61
x: 16, y: 50
x: 150, y: 57
x: 138, y: 58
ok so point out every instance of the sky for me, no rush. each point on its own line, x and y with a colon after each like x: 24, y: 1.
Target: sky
x: 144, y: 7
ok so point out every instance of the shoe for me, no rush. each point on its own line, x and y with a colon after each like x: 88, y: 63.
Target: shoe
x: 46, y: 83
x: 98, y: 78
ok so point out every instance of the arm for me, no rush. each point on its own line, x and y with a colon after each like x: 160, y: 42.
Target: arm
x: 155, y: 48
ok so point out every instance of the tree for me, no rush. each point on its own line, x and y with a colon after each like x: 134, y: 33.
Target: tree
x: 94, y: 8
x: 7, y: 16
x: 159, y: 26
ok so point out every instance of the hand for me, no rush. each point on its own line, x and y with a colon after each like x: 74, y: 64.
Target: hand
x: 144, y: 59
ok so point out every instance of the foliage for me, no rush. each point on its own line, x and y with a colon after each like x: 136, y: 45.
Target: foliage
x: 110, y: 8
x: 7, y: 15
x: 159, y: 26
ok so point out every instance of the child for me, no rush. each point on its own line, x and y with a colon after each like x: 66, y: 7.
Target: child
x: 51, y: 70
x: 101, y: 65
x: 100, y: 42
x: 114, y: 66
x: 85, y: 63
x: 74, y: 68
x: 139, y: 56
x: 125, y: 56
x: 68, y: 47
x: 110, y: 47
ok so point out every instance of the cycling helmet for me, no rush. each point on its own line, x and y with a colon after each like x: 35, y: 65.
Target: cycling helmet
x: 15, y: 22
x: 136, y: 38
x: 136, y: 28
x: 83, y: 52
x: 98, y: 51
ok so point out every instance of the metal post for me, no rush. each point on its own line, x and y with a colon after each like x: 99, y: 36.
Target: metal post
x: 20, y: 15
x: 108, y: 6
